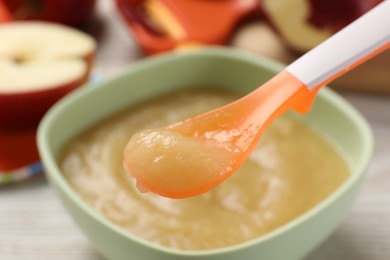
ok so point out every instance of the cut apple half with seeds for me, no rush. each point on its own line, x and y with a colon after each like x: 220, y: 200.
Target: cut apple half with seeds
x: 39, y: 63
x: 37, y: 55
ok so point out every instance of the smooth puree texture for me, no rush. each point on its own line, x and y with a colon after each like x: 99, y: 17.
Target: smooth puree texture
x: 170, y: 164
x: 292, y: 169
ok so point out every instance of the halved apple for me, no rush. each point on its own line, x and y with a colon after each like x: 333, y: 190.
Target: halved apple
x: 39, y: 63
x: 305, y: 23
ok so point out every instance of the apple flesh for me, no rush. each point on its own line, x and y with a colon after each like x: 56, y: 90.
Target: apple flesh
x: 40, y: 62
x: 257, y: 37
x: 304, y: 24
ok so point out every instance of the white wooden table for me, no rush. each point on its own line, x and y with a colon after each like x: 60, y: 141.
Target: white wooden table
x: 35, y: 226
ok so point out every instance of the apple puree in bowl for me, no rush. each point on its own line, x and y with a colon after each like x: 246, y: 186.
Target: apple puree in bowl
x: 293, y: 168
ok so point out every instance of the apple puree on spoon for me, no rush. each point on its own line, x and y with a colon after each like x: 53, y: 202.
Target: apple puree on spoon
x: 162, y: 156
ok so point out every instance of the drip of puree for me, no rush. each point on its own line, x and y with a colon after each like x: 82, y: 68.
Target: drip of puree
x: 292, y: 169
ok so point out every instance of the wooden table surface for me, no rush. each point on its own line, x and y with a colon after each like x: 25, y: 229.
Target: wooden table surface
x: 35, y: 226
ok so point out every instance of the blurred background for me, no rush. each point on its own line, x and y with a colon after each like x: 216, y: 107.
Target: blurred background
x: 33, y: 224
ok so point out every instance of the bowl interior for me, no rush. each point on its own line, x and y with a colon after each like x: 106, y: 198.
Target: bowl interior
x: 217, y: 67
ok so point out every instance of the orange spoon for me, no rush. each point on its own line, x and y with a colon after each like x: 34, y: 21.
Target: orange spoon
x: 191, y: 157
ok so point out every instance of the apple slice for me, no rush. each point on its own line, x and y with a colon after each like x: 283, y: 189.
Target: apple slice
x: 305, y: 23
x: 39, y: 63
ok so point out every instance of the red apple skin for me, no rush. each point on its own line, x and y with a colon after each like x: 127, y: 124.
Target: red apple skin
x: 21, y: 110
x: 69, y: 12
x: 336, y: 14
x: 18, y: 148
x: 5, y: 15
x: 25, y: 109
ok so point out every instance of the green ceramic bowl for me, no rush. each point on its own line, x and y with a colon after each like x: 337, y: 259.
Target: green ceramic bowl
x: 212, y: 67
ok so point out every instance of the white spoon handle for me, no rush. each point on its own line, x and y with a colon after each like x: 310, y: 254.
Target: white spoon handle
x: 362, y: 38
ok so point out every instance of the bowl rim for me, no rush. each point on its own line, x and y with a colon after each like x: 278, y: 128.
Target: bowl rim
x: 331, y: 96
